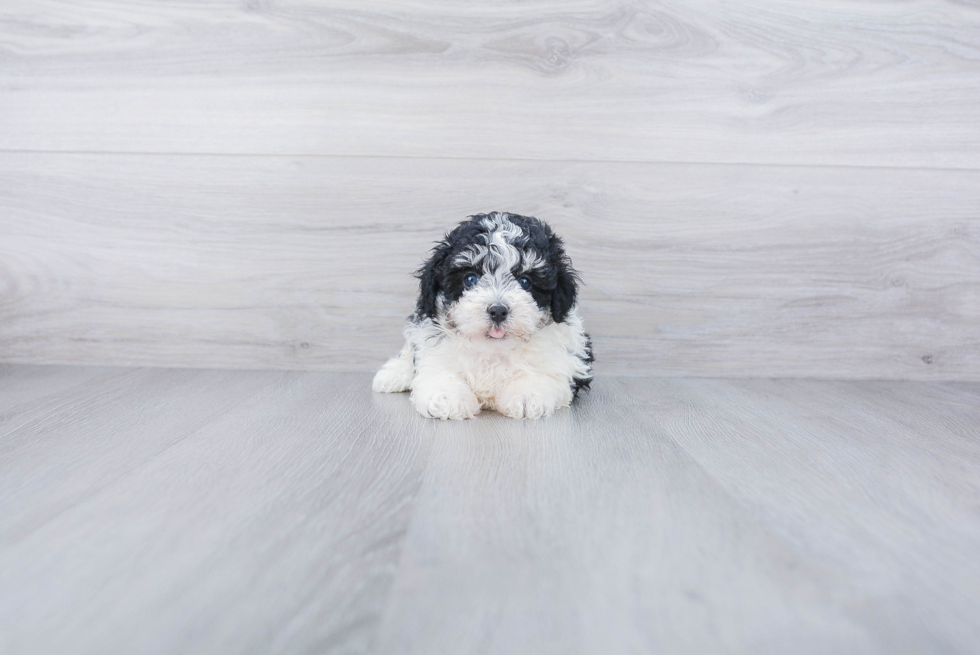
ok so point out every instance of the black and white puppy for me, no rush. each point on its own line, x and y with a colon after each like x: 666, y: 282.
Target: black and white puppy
x: 496, y: 325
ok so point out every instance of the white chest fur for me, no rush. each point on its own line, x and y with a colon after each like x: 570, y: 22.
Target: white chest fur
x: 454, y: 377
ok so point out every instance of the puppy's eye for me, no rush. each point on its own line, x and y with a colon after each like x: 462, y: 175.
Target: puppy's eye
x: 524, y: 282
x: 471, y: 279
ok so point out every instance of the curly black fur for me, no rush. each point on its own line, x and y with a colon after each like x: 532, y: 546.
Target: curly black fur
x: 583, y: 384
x: 555, y: 288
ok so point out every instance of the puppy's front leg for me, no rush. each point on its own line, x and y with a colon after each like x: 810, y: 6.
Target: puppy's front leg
x: 396, y: 375
x: 443, y: 396
x: 533, y: 396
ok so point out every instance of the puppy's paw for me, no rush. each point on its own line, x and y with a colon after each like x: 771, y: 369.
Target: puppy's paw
x: 531, y: 401
x: 389, y: 380
x: 453, y: 401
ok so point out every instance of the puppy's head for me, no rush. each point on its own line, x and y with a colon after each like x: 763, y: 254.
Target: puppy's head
x: 497, y: 276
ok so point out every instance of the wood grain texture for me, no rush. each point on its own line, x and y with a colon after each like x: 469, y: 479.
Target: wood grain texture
x: 244, y: 511
x: 203, y: 511
x: 764, y: 81
x: 701, y: 516
x: 305, y: 262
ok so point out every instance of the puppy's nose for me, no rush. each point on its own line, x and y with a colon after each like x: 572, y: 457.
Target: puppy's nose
x: 498, y: 313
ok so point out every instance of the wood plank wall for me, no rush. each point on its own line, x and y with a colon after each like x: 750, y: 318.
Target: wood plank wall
x: 764, y: 188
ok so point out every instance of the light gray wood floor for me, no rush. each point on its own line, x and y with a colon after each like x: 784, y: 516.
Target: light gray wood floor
x: 203, y: 511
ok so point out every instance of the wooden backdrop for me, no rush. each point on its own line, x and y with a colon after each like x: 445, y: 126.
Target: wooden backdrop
x: 762, y: 188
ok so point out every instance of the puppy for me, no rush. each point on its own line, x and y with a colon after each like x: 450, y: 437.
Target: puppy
x: 496, y: 325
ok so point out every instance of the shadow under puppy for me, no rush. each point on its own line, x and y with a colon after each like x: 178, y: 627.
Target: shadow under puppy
x: 496, y: 325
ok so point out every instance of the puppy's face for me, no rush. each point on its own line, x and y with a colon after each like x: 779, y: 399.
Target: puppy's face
x: 490, y: 291
x: 497, y: 277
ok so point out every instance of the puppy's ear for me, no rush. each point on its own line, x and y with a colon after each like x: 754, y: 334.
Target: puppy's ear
x: 430, y: 280
x: 566, y: 282
x: 566, y: 290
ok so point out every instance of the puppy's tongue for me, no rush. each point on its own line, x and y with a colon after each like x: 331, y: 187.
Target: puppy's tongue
x: 497, y: 333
